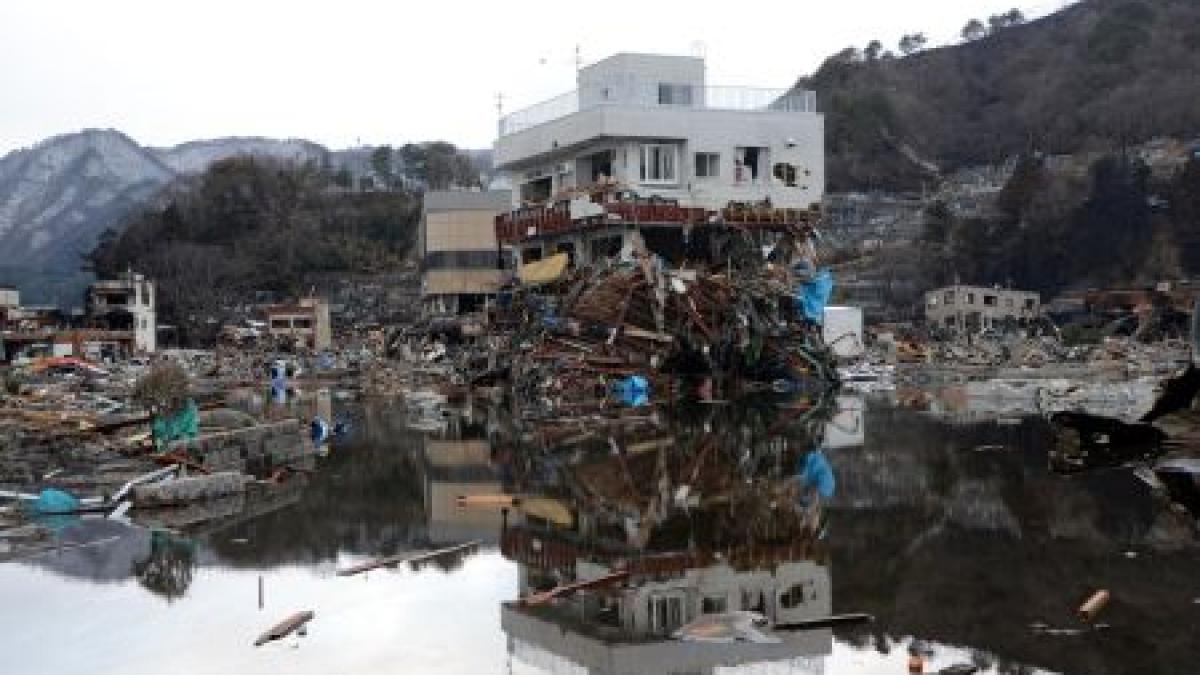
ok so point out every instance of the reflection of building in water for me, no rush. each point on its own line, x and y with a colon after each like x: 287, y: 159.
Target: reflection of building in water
x: 667, y: 528
x: 627, y: 626
x: 845, y: 428
x: 454, y: 468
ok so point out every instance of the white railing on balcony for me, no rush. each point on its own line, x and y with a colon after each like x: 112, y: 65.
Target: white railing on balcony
x: 748, y: 99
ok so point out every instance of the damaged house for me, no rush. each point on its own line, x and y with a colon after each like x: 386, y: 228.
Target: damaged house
x: 646, y: 144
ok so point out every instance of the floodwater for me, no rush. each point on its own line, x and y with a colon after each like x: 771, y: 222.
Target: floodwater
x: 955, y: 536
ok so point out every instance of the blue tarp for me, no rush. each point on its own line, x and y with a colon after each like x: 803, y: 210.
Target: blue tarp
x: 813, y: 295
x: 633, y: 391
x: 815, y: 472
x: 54, y: 501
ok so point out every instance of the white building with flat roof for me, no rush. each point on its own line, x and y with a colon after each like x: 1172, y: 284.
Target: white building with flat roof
x: 654, y: 124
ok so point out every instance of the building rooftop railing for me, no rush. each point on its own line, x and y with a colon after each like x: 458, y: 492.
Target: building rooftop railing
x: 746, y: 99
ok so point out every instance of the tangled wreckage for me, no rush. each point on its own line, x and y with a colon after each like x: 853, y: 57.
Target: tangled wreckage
x: 714, y: 310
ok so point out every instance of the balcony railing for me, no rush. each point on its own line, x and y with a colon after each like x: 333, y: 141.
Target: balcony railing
x: 749, y: 99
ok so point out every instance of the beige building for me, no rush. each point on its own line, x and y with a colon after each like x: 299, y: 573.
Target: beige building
x: 306, y: 323
x: 460, y: 258
x: 976, y: 308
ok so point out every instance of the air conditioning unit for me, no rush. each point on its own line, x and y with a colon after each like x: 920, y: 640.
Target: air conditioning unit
x: 565, y: 168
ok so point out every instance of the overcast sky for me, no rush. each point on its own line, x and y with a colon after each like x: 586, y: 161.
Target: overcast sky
x: 341, y: 72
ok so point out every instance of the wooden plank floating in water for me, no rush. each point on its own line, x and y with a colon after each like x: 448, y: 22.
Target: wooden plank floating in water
x: 828, y: 622
x: 284, y: 628
x: 399, y: 559
x: 1093, y: 605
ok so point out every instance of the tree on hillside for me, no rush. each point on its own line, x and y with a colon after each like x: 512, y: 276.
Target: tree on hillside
x: 873, y: 50
x: 1027, y: 179
x: 847, y: 55
x: 973, y: 30
x: 911, y: 44
x: 998, y: 22
x: 381, y: 163
x: 249, y: 225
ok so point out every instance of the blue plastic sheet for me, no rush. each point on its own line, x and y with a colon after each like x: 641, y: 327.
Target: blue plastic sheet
x: 54, y: 501
x: 633, y: 391
x: 813, y: 295
x: 815, y: 472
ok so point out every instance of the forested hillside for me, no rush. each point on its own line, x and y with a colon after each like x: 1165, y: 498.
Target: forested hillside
x: 1094, y: 76
x: 246, y: 225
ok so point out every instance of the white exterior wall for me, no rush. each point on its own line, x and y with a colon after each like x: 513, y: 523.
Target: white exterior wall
x: 10, y: 298
x: 722, y: 581
x: 140, y: 304
x: 617, y: 106
x: 145, y: 333
x: 634, y: 78
x: 794, y: 138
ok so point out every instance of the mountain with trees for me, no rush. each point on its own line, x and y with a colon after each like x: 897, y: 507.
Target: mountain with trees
x: 59, y: 196
x: 253, y: 225
x: 1119, y: 224
x: 1093, y: 77
x: 56, y: 198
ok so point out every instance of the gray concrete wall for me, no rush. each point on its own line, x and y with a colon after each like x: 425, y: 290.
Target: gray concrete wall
x: 274, y: 444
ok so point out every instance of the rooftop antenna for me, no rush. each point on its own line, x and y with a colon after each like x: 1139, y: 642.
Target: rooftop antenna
x: 578, y: 58
x: 499, y: 104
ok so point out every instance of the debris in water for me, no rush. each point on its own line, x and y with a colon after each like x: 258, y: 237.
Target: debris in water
x: 959, y: 669
x: 397, y: 559
x: 1093, y: 605
x: 284, y: 628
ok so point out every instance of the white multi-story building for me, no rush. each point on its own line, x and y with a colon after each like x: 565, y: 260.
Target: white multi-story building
x: 653, y: 123
x: 126, y: 304
x: 652, y: 126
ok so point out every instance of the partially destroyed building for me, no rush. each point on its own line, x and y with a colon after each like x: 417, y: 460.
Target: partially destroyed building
x: 645, y: 144
x: 125, y: 305
x: 306, y: 323
x: 963, y: 308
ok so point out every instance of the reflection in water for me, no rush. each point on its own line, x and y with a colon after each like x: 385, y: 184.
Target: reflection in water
x: 947, y: 534
x: 167, y: 570
x: 717, y: 515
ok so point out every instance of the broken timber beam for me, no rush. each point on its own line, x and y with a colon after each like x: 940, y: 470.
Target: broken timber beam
x: 398, y: 559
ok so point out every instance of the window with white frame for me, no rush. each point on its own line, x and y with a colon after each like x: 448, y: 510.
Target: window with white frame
x: 708, y: 165
x: 660, y: 164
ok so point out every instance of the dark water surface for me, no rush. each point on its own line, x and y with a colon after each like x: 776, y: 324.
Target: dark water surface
x: 955, y: 537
